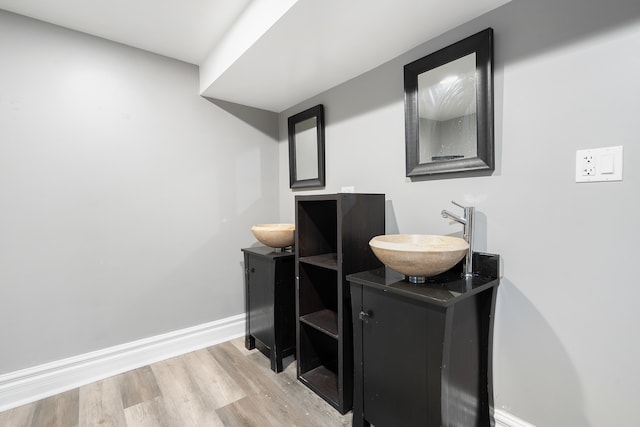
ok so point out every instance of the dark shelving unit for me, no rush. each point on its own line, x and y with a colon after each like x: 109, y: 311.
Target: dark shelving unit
x: 332, y: 240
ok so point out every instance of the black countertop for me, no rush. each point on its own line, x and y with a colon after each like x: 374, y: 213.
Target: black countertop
x: 270, y: 253
x: 444, y: 290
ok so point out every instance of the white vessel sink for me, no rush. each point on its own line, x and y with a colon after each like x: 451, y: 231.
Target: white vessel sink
x: 419, y: 255
x: 275, y: 235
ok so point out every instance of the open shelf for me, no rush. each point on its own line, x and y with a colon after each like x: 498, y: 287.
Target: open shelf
x: 317, y: 227
x: 329, y: 261
x: 324, y: 320
x: 324, y: 382
x: 317, y: 289
x: 319, y: 368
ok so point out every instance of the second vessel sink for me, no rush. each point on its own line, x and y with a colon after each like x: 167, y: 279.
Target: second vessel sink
x: 275, y: 235
x: 419, y: 255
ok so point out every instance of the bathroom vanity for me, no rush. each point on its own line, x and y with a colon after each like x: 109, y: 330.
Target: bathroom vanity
x: 270, y: 303
x: 423, y: 352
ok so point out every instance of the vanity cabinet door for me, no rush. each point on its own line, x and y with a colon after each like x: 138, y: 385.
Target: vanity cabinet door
x: 261, y: 301
x: 395, y: 376
x: 270, y: 303
x: 400, y: 360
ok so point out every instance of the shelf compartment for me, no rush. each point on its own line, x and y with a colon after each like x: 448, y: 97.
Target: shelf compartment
x: 319, y: 368
x: 325, y: 321
x: 317, y: 289
x: 329, y: 261
x: 317, y: 228
x: 324, y: 381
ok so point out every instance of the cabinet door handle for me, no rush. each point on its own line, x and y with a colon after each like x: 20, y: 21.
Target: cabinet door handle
x: 364, y: 316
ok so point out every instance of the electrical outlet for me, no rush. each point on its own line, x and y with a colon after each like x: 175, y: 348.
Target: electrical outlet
x: 588, y: 165
x: 599, y: 164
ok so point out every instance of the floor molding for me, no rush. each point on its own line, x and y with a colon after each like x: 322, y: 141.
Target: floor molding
x: 35, y: 383
x: 506, y: 419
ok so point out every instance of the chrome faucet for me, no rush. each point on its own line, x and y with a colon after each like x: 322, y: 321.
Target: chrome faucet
x: 467, y: 233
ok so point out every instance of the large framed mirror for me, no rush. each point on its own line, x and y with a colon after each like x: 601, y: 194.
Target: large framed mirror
x: 306, y: 148
x: 449, y: 108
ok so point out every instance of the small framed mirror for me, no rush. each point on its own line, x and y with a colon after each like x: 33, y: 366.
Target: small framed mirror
x: 306, y: 148
x: 449, y: 108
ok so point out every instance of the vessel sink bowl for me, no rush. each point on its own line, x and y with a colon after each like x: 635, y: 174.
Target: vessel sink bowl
x: 275, y: 235
x: 419, y: 255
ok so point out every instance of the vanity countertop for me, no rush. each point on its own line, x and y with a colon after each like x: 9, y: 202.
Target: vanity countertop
x: 443, y: 290
x: 267, y: 252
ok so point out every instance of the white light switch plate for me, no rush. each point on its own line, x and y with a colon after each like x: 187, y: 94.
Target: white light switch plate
x: 599, y: 164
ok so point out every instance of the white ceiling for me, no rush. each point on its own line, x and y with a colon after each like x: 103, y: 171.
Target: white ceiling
x: 183, y: 29
x: 269, y: 54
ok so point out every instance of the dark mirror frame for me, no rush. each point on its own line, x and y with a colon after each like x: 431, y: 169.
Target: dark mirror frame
x: 318, y: 113
x: 482, y: 44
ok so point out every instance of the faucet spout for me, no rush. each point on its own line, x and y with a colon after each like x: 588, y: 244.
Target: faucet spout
x: 446, y: 214
x: 467, y: 223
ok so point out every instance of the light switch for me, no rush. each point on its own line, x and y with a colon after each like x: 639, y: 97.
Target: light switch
x: 605, y: 163
x: 599, y: 164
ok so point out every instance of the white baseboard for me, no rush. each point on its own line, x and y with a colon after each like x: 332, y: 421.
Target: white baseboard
x: 31, y: 384
x: 505, y: 419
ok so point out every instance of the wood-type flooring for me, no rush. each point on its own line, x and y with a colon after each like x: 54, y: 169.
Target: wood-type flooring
x: 223, y: 385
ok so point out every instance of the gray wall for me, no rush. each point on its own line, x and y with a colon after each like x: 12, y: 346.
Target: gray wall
x: 125, y: 197
x: 566, y: 345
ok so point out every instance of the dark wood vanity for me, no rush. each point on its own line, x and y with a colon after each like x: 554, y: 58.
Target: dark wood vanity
x: 270, y: 303
x: 332, y: 240
x: 423, y: 353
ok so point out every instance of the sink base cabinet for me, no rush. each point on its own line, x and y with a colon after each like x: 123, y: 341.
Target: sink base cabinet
x: 421, y: 364
x: 270, y: 303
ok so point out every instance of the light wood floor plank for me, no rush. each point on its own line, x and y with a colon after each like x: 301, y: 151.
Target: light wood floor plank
x: 20, y: 416
x: 57, y: 411
x: 185, y: 404
x: 238, y: 367
x: 247, y: 412
x: 101, y: 404
x: 151, y: 413
x: 239, y: 344
x: 215, y: 384
x: 138, y: 386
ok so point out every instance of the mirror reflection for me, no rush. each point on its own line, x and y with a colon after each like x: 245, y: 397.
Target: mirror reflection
x: 306, y: 149
x: 447, y: 111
